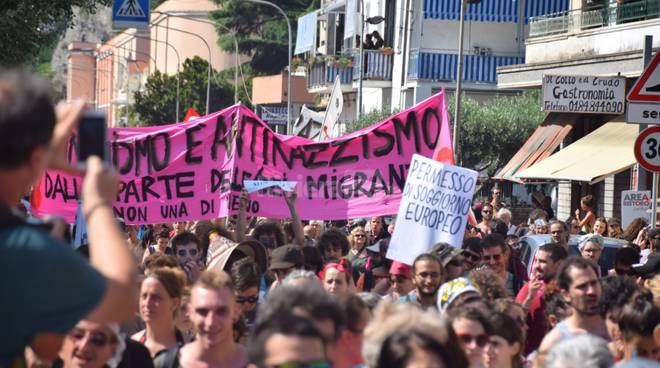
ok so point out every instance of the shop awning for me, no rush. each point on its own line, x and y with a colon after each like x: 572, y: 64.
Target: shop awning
x: 541, y: 144
x: 306, y: 33
x: 603, y: 152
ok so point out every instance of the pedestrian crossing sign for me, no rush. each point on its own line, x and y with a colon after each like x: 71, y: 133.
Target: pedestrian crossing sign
x: 130, y: 14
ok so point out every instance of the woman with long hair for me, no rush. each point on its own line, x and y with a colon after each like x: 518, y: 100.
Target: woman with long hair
x: 504, y: 350
x: 160, y: 296
x: 587, y: 221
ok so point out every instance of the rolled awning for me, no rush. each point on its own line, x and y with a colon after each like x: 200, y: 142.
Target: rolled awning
x: 605, y: 151
x: 541, y: 144
x: 306, y: 33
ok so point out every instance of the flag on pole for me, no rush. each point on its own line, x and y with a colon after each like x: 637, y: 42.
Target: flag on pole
x: 332, y: 112
x: 444, y: 151
x: 191, y: 115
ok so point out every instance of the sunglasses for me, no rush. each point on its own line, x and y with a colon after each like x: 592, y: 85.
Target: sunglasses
x: 317, y: 364
x: 495, y: 257
x: 455, y: 263
x: 183, y: 252
x: 360, y: 235
x: 474, y: 257
x: 467, y: 339
x: 249, y: 299
x: 97, y: 339
x: 484, y: 211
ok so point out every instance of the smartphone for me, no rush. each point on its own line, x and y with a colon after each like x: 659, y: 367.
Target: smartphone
x: 92, y: 136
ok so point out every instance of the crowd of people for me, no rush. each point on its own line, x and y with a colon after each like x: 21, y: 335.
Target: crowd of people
x: 258, y: 292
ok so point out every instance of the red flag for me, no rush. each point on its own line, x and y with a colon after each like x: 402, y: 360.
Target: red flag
x: 191, y: 115
x: 444, y: 151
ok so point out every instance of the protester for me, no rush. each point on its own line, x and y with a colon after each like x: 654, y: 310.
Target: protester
x: 486, y: 216
x: 65, y: 288
x: 358, y: 241
x: 549, y: 258
x: 451, y: 259
x: 377, y: 230
x: 504, y: 214
x: 639, y: 323
x: 624, y: 259
x: 573, y: 225
x: 161, y: 245
x: 495, y: 256
x: 614, y: 229
x: 91, y: 345
x: 335, y: 279
x: 591, y: 247
x: 504, y: 349
x: 617, y: 292
x: 560, y: 233
x: 496, y: 200
x: 578, y: 281
x: 556, y: 308
x: 245, y: 276
x: 160, y: 296
x: 288, y: 341
x: 401, y: 281
x: 187, y: 249
x: 586, y: 223
x: 212, y: 307
x: 283, y: 261
x: 582, y: 351
x: 490, y: 286
x: 402, y: 335
x: 473, y: 331
x: 540, y: 226
x: 471, y: 253
x: 600, y: 226
x: 349, y: 346
x: 333, y: 245
x: 427, y: 275
x: 634, y: 229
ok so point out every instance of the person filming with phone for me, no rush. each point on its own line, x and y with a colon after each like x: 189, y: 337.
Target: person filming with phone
x: 46, y: 288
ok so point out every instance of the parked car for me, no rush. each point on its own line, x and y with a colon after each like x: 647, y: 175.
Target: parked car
x: 529, y: 245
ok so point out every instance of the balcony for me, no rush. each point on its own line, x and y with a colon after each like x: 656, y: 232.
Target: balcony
x: 584, y: 19
x: 443, y: 66
x: 321, y: 75
x: 378, y: 66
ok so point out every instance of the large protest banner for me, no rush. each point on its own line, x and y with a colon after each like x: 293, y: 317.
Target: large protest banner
x: 435, y: 205
x: 195, y: 170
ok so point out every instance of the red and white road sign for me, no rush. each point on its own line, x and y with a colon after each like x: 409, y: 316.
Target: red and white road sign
x: 647, y: 148
x: 647, y: 87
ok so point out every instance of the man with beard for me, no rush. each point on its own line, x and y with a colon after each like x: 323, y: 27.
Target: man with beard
x: 579, y: 285
x: 560, y: 233
x: 548, y: 259
x: 427, y: 274
x: 211, y: 310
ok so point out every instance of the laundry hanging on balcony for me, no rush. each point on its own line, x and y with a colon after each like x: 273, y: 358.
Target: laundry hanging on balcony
x: 306, y: 34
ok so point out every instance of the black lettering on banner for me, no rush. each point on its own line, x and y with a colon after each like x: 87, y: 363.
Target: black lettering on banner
x: 142, y: 149
x: 408, y: 129
x: 174, y: 210
x: 131, y: 214
x: 314, y: 149
x: 131, y: 191
x: 365, y: 146
x: 378, y: 184
x: 166, y: 179
x: 60, y: 185
x: 359, y: 179
x: 397, y: 177
x: 333, y: 183
x: 322, y: 181
x: 219, y: 180
x: 253, y: 137
x: 207, y: 206
x: 219, y: 137
x: 252, y: 206
x: 264, y: 152
x: 341, y: 146
x: 185, y: 180
x: 277, y: 147
x: 428, y: 113
x: 239, y: 136
x: 387, y: 148
x: 160, y: 164
x: 127, y: 165
x: 235, y: 185
x: 191, y: 143
x: 345, y: 190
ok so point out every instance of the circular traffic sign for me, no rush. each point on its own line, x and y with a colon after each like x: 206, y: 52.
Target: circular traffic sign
x: 647, y: 148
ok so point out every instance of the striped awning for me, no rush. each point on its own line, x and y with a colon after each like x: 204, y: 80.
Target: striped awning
x: 492, y: 10
x: 543, y: 142
x: 477, y: 68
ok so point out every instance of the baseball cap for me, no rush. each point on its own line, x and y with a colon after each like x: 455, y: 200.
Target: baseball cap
x: 649, y: 268
x: 401, y: 269
x: 446, y: 255
x: 287, y: 256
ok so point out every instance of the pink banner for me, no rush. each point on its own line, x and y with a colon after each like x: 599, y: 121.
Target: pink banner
x: 195, y: 170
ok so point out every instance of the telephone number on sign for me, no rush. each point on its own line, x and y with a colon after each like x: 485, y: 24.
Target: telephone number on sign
x: 596, y: 106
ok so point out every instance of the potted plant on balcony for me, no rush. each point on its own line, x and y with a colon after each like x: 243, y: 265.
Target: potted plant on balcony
x: 387, y: 50
x: 345, y: 62
x: 295, y: 63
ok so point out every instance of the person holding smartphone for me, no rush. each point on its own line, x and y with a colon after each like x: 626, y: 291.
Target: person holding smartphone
x: 46, y: 287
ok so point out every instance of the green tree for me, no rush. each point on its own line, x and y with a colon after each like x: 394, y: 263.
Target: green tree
x: 27, y: 27
x: 261, y: 30
x: 368, y: 119
x: 156, y: 103
x: 490, y: 133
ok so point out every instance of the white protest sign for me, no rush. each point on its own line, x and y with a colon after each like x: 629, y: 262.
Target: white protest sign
x: 255, y: 185
x: 434, y: 207
x: 634, y: 204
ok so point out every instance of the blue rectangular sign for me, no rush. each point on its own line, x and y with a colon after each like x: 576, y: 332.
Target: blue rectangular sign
x: 130, y: 14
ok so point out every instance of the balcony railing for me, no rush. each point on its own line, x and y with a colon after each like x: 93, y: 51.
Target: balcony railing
x: 443, y: 67
x: 322, y: 74
x: 378, y: 65
x: 577, y: 20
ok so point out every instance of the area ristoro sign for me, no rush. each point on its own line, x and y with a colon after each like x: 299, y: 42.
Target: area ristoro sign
x: 584, y: 94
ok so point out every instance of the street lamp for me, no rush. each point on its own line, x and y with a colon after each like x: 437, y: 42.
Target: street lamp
x: 371, y: 20
x: 459, y: 72
x: 288, y: 95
